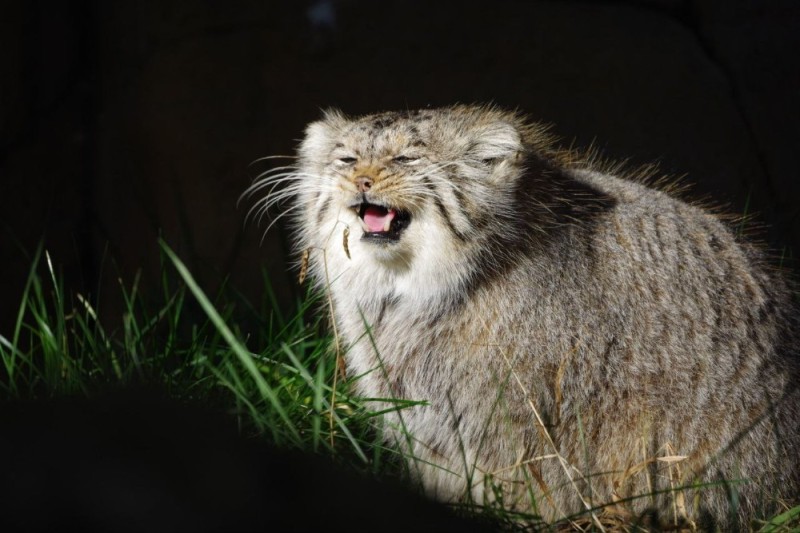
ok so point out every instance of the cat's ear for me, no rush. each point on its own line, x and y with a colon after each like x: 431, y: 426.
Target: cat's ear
x: 321, y: 136
x: 495, y: 142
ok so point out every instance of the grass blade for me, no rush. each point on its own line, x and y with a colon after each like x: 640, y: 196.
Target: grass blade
x: 244, y: 356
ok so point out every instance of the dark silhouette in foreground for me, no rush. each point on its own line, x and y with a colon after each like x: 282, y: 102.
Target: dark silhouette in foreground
x: 137, y: 462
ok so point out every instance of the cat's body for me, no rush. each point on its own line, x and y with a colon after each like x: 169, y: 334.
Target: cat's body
x: 579, y: 338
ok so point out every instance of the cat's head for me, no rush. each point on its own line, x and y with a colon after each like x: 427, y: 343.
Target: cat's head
x: 405, y: 181
x: 433, y: 195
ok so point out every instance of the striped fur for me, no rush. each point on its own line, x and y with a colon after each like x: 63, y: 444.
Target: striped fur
x: 579, y: 338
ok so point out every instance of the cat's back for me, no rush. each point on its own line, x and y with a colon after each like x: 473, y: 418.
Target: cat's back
x: 686, y: 274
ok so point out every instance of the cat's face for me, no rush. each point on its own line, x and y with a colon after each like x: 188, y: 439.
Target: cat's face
x: 405, y: 185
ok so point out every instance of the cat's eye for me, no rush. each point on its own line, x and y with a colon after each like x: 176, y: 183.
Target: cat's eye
x: 405, y: 160
x: 346, y: 160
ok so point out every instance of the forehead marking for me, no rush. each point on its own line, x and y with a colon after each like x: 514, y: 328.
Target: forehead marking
x: 384, y: 121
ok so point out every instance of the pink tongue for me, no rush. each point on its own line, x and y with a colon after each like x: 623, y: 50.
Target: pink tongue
x: 376, y: 217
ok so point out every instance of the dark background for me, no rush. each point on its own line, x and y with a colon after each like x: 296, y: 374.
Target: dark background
x: 120, y: 121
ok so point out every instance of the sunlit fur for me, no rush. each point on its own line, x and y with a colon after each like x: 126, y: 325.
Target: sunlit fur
x: 578, y: 338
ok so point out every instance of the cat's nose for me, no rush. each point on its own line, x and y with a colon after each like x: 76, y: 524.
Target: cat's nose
x: 364, y: 183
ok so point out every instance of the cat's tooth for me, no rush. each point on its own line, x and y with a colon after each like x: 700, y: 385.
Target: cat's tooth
x: 363, y: 225
x: 387, y: 224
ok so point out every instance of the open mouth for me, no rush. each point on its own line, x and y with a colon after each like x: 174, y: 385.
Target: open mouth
x: 380, y: 223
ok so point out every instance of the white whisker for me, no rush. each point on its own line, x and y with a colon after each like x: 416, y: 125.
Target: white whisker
x: 276, y: 219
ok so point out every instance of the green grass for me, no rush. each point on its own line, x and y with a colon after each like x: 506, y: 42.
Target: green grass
x: 278, y: 377
x: 280, y: 383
